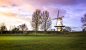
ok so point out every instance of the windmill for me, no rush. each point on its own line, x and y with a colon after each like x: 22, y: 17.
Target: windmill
x: 59, y: 24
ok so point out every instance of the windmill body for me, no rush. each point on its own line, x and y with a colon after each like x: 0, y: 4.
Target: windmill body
x: 59, y: 24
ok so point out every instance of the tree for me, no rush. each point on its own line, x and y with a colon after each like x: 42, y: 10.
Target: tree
x: 23, y: 28
x: 46, y: 21
x: 15, y: 29
x: 83, y: 20
x: 3, y: 28
x: 36, y: 20
x: 67, y: 29
x: 10, y: 29
x: 84, y: 27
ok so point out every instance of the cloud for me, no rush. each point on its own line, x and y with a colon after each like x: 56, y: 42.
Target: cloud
x: 14, y: 5
x: 14, y: 15
x: 8, y: 14
x: 11, y: 21
x: 32, y: 5
x: 55, y: 2
x: 11, y: 18
x: 75, y: 27
x: 43, y: 2
x: 15, y: 11
x: 54, y: 11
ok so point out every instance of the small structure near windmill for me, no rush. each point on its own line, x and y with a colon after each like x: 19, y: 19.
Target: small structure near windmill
x: 59, y: 24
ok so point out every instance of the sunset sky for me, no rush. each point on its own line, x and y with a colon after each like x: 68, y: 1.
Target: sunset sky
x: 16, y: 12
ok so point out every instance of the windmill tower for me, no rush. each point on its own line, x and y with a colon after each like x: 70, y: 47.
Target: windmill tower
x: 59, y: 24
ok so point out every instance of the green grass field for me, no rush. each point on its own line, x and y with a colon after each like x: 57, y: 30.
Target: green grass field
x: 62, y: 42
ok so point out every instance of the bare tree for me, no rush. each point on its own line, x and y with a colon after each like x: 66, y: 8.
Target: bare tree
x: 3, y: 28
x: 23, y: 28
x: 46, y: 21
x: 36, y: 20
x: 15, y: 29
x: 10, y: 29
x: 83, y: 20
x: 67, y: 29
x: 84, y: 27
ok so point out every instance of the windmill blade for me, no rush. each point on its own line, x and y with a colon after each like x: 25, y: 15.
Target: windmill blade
x: 58, y: 14
x: 54, y: 18
x: 62, y: 16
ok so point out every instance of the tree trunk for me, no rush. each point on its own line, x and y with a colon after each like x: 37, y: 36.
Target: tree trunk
x: 23, y: 33
x: 35, y: 33
x: 10, y: 32
x: 45, y: 32
x: 1, y: 33
x: 45, y: 28
x: 36, y: 28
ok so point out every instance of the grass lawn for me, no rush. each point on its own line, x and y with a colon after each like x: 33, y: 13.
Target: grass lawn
x: 42, y: 43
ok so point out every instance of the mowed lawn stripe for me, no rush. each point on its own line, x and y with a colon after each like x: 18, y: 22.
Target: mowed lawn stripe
x: 28, y: 38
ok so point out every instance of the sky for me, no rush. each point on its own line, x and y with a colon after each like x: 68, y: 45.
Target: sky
x: 17, y: 12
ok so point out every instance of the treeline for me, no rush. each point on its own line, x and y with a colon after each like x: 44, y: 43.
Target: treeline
x: 42, y: 32
x: 16, y: 29
x: 11, y: 32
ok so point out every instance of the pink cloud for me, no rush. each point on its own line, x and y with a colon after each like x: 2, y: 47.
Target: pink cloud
x: 54, y: 11
x: 43, y: 2
x: 54, y: 2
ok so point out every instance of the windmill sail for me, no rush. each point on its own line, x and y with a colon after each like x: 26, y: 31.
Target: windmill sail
x: 62, y: 16
x: 54, y: 18
x: 58, y: 14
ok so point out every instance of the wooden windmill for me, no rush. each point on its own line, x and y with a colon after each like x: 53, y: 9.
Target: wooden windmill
x: 59, y: 24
